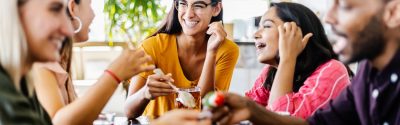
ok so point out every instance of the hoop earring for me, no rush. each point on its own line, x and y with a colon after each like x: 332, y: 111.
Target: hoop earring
x: 80, y: 24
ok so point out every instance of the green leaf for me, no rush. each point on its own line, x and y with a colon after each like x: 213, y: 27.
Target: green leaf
x: 133, y: 18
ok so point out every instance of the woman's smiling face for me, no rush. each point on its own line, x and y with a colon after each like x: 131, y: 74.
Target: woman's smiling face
x: 267, y: 37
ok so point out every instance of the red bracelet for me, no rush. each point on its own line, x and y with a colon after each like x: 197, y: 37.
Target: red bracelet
x: 113, y: 75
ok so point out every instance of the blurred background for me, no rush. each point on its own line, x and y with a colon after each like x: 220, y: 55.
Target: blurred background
x: 118, y: 21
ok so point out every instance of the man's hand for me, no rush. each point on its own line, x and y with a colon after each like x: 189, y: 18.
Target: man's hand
x: 236, y: 109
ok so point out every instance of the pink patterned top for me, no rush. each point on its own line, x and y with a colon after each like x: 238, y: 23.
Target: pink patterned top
x: 324, y: 84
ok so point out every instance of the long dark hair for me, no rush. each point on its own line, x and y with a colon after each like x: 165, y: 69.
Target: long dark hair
x: 66, y: 50
x: 66, y: 61
x: 67, y: 46
x: 170, y: 24
x: 318, y: 50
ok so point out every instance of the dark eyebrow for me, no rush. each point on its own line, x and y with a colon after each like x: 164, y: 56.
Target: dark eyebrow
x: 57, y: 4
x: 199, y: 2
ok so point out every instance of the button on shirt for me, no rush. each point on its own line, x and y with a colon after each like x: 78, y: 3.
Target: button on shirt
x: 373, y: 98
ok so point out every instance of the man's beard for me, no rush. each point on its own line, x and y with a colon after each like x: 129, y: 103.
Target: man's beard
x: 369, y: 43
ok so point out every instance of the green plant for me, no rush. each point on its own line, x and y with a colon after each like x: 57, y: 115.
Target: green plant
x: 132, y: 20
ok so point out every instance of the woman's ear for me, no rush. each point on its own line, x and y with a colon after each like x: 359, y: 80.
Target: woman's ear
x: 71, y: 7
x: 391, y: 15
x: 217, y: 9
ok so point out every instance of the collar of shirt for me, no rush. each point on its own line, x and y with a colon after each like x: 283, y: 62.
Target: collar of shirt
x: 390, y: 74
x: 383, y: 90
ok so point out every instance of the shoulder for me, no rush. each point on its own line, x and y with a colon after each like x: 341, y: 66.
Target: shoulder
x: 228, y: 48
x: 51, y: 66
x: 265, y: 70
x: 46, y: 71
x: 159, y: 41
x: 262, y: 75
x: 47, y: 75
x: 159, y: 37
x: 229, y: 45
x: 330, y: 72
x: 332, y: 66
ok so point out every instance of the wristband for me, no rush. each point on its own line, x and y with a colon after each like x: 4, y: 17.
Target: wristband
x: 113, y: 75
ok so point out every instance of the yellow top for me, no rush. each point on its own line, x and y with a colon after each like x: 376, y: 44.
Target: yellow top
x: 163, y: 50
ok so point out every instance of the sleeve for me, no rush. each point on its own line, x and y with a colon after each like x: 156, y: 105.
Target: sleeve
x: 148, y: 46
x: 323, y: 85
x: 225, y: 66
x: 16, y: 110
x: 258, y: 93
x: 340, y: 111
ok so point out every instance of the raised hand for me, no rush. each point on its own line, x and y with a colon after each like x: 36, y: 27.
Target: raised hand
x: 291, y: 40
x: 218, y: 34
x: 130, y: 63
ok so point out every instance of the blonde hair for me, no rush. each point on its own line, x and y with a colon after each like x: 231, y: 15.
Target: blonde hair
x: 14, y: 48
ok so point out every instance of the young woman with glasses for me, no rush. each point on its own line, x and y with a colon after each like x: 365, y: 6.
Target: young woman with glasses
x: 191, y: 45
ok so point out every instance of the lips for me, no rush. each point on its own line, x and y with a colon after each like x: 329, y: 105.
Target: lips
x: 339, y: 33
x: 260, y: 46
x: 57, y: 42
x: 191, y: 24
x: 340, y: 45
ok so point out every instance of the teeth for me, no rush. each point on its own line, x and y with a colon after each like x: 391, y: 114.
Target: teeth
x: 191, y: 23
x: 260, y: 45
x: 58, y: 41
x: 59, y: 46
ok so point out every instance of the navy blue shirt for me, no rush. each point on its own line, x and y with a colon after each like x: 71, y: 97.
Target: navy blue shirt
x: 373, y: 98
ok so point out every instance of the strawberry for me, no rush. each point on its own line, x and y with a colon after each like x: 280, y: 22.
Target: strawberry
x: 213, y: 99
x: 219, y: 99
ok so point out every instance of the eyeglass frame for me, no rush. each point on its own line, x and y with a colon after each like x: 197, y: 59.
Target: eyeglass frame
x: 176, y: 6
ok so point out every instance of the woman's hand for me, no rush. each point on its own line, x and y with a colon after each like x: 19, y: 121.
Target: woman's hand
x: 218, y: 34
x: 130, y: 63
x: 157, y: 85
x: 291, y: 41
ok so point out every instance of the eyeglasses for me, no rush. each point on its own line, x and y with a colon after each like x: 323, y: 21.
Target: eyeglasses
x: 198, y: 6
